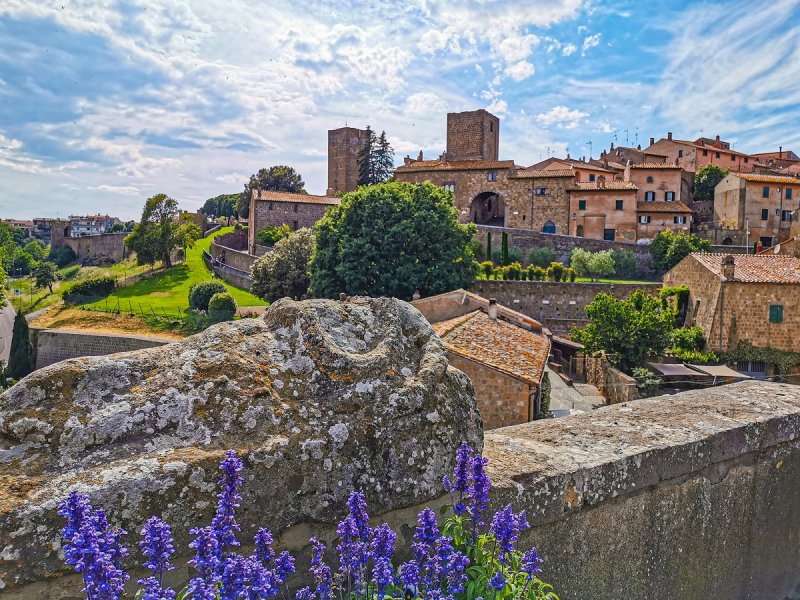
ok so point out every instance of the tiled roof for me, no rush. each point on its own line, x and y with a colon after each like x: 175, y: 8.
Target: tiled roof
x: 498, y: 344
x: 610, y: 185
x: 454, y: 165
x: 541, y: 173
x: 647, y: 165
x: 759, y: 178
x: 662, y: 206
x: 273, y: 196
x: 763, y: 268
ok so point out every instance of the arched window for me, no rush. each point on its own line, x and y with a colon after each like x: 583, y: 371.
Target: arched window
x: 549, y: 227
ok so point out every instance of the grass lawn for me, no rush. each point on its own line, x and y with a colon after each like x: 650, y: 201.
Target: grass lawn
x: 167, y: 292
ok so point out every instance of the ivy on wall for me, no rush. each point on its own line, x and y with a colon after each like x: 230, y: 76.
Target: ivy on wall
x: 782, y: 360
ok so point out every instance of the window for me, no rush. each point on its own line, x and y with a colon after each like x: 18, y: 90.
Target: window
x: 491, y: 126
x: 591, y: 177
x: 579, y: 231
x: 618, y: 205
x: 609, y: 235
x: 581, y: 204
x: 765, y: 214
x: 649, y: 179
x: 765, y: 192
x: 776, y: 313
x: 679, y: 219
x: 270, y: 206
x: 449, y: 187
x: 733, y: 157
x: 680, y: 153
x: 649, y: 196
x: 542, y: 191
x: 295, y: 208
x: 294, y: 226
x: 716, y: 154
x: 746, y: 159
x: 492, y: 176
x: 705, y: 152
x: 786, y: 215
x: 644, y: 219
x: 669, y: 196
x: 788, y: 193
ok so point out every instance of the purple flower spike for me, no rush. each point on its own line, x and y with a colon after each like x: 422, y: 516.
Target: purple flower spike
x: 322, y: 572
x: 428, y: 529
x: 224, y: 523
x: 530, y: 563
x: 506, y: 527
x: 263, y: 543
x: 157, y: 546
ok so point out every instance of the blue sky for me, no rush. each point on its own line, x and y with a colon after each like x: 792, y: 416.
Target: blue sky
x: 104, y: 103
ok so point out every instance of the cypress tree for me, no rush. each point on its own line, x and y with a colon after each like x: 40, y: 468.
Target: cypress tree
x: 504, y: 250
x: 488, y: 245
x: 20, y: 361
x: 366, y: 159
x: 384, y: 160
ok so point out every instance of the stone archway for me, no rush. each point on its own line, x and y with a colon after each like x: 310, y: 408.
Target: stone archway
x: 727, y: 242
x: 487, y: 208
x: 549, y: 227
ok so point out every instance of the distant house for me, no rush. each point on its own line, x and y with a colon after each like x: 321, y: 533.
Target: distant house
x: 503, y: 353
x: 737, y: 298
x: 603, y: 210
x: 691, y: 155
x: 81, y: 226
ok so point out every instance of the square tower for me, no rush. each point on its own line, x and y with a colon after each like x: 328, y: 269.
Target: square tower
x: 473, y: 135
x: 344, y: 144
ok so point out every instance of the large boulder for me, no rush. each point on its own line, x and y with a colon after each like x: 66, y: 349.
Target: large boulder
x: 319, y: 397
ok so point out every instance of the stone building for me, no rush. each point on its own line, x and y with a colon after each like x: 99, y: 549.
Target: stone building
x: 742, y: 297
x: 584, y: 171
x: 760, y: 204
x: 653, y: 217
x: 344, y: 145
x: 503, y: 352
x: 690, y: 156
x: 473, y: 135
x: 623, y: 154
x: 284, y: 208
x: 97, y: 249
x: 603, y: 210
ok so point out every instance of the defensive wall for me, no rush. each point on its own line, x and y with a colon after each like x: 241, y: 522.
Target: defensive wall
x: 55, y: 345
x: 559, y: 306
x: 691, y: 496
x: 229, y: 258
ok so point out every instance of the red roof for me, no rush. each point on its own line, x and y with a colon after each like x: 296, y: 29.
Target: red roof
x: 454, y: 165
x: 272, y: 196
x: 662, y: 206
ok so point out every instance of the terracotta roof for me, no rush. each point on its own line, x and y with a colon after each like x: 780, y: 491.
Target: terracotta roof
x: 508, y: 348
x: 776, y: 268
x: 781, y: 155
x: 610, y: 185
x: 759, y: 178
x: 273, y: 196
x: 541, y: 173
x: 454, y: 165
x: 647, y: 165
x: 661, y: 206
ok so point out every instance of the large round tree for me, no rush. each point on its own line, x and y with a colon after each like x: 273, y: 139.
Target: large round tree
x: 390, y: 240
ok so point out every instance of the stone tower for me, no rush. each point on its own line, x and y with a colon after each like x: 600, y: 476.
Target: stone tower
x: 59, y: 230
x: 473, y: 135
x: 344, y: 144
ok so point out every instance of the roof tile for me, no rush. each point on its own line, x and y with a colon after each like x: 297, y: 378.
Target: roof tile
x: 273, y: 196
x: 763, y: 268
x: 662, y: 206
x: 454, y: 165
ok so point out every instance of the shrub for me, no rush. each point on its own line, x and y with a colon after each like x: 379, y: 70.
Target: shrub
x: 515, y: 254
x: 625, y: 265
x: 514, y: 271
x: 544, y: 402
x: 459, y: 556
x: 556, y: 271
x: 689, y: 338
x: 90, y: 290
x: 536, y: 273
x: 571, y: 274
x: 504, y: 249
x: 271, y: 234
x: 647, y: 382
x: 592, y: 264
x: 221, y: 307
x: 62, y: 256
x: 69, y: 272
x: 200, y: 294
x: 22, y: 356
x: 542, y: 257
x: 694, y: 356
x: 487, y: 267
x: 499, y: 273
x: 284, y: 271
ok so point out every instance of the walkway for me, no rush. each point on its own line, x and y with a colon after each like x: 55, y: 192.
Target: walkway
x: 564, y: 398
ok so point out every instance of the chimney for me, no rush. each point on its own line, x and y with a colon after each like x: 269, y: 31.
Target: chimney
x: 669, y: 135
x: 780, y: 151
x: 652, y: 141
x: 407, y: 160
x: 627, y: 175
x: 493, y: 309
x: 612, y: 146
x: 717, y: 139
x: 728, y: 267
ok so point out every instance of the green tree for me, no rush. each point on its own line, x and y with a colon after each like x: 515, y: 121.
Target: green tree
x: 504, y: 260
x: 34, y: 250
x: 222, y: 307
x: 384, y: 159
x: 160, y: 232
x: 592, y: 264
x: 367, y: 171
x: 628, y: 331
x: 542, y: 257
x: 390, y: 240
x: 20, y: 361
x: 668, y: 249
x: 284, y: 271
x: 488, y: 245
x: 279, y: 178
x: 624, y: 263
x: 117, y: 228
x: 45, y: 274
x: 223, y: 205
x: 706, y: 179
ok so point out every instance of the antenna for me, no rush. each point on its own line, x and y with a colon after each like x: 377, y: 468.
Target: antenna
x: 636, y: 139
x: 548, y: 151
x: 627, y: 139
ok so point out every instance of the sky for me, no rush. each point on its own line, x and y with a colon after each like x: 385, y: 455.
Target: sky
x: 104, y: 103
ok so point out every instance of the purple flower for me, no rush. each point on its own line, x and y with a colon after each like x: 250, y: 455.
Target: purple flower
x: 498, y: 582
x: 207, y: 559
x: 201, y: 590
x: 357, y: 505
x: 383, y: 542
x: 157, y: 546
x: 427, y: 529
x: 382, y: 573
x: 154, y: 591
x: 304, y: 594
x: 224, y: 522
x: 506, y: 527
x: 409, y: 573
x: 354, y: 539
x: 263, y: 544
x: 530, y: 563
x: 236, y: 574
x: 478, y: 493
x: 460, y: 482
x: 284, y: 566
x: 322, y: 572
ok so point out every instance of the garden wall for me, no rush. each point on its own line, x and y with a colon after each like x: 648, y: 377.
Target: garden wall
x: 614, y: 385
x: 559, y: 306
x: 238, y: 277
x: 55, y: 345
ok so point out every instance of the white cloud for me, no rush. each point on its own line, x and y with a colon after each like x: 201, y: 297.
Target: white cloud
x: 125, y: 190
x: 602, y: 127
x: 424, y: 104
x: 590, y: 42
x: 519, y: 71
x: 569, y: 50
x: 498, y: 107
x: 562, y: 117
x: 232, y: 178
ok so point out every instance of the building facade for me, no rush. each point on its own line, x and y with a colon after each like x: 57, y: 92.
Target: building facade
x: 344, y: 145
x: 603, y: 210
x: 473, y: 135
x: 691, y: 155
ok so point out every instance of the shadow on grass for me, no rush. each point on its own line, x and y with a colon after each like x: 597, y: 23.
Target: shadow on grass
x: 165, y: 281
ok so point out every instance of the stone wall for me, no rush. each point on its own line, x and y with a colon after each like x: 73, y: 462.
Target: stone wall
x: 231, y: 250
x: 557, y: 306
x: 614, y: 385
x: 101, y: 249
x: 296, y: 215
x: 473, y: 135
x: 502, y: 400
x: 55, y: 345
x: 238, y: 277
x: 563, y: 244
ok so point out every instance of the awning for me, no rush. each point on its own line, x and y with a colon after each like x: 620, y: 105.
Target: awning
x: 720, y: 371
x: 674, y: 370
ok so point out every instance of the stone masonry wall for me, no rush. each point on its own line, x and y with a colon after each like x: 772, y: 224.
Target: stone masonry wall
x: 557, y: 306
x: 614, y: 385
x: 54, y: 345
x: 224, y: 251
x: 473, y: 135
x: 294, y: 214
x: 107, y: 247
x: 502, y: 400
